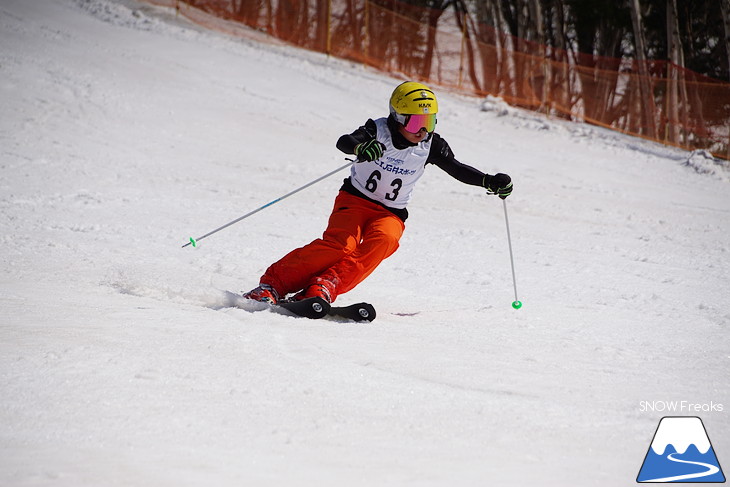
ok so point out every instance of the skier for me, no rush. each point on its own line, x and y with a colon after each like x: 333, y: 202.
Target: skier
x: 370, y: 210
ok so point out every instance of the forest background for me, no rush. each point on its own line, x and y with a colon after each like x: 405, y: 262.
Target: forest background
x: 657, y: 69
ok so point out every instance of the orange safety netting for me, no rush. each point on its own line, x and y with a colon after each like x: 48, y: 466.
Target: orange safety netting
x: 657, y: 100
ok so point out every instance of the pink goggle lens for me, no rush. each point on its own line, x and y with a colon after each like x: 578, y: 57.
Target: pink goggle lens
x: 415, y: 123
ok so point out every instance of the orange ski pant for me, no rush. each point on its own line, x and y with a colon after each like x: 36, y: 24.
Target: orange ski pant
x: 359, y: 236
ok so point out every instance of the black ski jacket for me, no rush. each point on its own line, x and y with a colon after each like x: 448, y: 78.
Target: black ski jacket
x: 440, y: 155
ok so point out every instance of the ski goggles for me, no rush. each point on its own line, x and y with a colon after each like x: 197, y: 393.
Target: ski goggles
x: 414, y: 123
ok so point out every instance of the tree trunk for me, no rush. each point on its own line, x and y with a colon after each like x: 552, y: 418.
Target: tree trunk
x: 646, y: 97
x: 536, y: 16
x: 433, y: 20
x: 674, y: 76
x: 489, y: 42
x: 507, y: 76
x: 561, y: 86
x: 463, y: 21
x: 541, y: 72
x: 725, y: 9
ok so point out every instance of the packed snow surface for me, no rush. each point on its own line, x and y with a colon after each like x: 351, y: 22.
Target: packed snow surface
x: 124, y: 359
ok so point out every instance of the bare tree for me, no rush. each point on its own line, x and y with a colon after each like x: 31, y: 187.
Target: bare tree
x: 675, y: 76
x: 560, y: 84
x: 646, y: 98
x: 725, y: 9
x: 436, y: 10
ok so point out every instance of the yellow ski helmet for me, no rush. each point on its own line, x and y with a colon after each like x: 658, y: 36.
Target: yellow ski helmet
x: 414, y: 106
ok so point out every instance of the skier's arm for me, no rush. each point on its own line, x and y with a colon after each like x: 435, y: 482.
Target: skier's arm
x: 442, y: 156
x: 365, y: 133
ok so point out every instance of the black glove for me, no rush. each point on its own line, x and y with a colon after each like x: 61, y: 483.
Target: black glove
x: 499, y: 184
x: 371, y: 150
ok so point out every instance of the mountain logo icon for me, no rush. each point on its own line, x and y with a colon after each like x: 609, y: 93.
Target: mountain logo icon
x: 681, y: 452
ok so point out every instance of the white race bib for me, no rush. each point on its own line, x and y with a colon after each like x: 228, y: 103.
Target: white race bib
x: 390, y: 180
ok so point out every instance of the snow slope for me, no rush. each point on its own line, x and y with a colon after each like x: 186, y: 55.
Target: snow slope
x: 124, y: 131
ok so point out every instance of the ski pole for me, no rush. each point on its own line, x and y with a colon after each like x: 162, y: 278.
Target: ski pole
x: 194, y: 241
x: 516, y: 304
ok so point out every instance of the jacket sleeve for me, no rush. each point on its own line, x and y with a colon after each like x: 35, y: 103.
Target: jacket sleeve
x: 347, y: 142
x: 442, y: 156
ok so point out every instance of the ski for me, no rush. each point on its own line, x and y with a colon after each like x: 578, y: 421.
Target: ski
x: 316, y: 308
x: 355, y: 312
x: 312, y: 308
